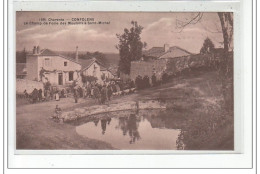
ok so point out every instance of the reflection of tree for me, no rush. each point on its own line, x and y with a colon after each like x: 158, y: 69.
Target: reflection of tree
x: 179, y: 141
x: 122, y: 124
x: 103, y: 125
x: 96, y: 122
x: 108, y: 120
x: 130, y: 125
x: 133, y: 129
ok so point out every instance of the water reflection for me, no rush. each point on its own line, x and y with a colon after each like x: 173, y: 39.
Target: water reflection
x: 129, y: 125
x: 134, y: 130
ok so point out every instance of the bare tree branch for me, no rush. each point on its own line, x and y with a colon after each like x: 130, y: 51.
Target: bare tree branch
x: 182, y: 24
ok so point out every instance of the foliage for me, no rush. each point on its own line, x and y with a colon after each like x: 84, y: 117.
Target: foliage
x: 207, y: 47
x: 103, y: 76
x: 130, y: 47
x: 154, y: 83
x: 47, y: 85
x: 88, y: 78
x: 142, y: 83
x: 215, y: 131
x: 21, y: 56
x: 165, y: 77
x: 146, y: 82
x: 138, y: 82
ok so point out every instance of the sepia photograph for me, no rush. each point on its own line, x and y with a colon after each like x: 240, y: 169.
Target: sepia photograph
x: 124, y: 81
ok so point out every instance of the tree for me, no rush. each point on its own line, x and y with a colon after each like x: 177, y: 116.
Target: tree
x: 130, y: 47
x: 226, y: 64
x: 226, y: 21
x: 207, y: 47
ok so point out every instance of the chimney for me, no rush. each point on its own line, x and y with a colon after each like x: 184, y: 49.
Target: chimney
x: 166, y: 47
x: 77, y: 54
x: 34, y: 50
x: 38, y: 49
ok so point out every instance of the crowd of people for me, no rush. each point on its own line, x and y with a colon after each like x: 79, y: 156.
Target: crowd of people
x: 47, y: 94
x: 102, y: 94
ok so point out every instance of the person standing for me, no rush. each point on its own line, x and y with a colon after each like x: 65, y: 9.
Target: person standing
x: 76, y: 94
x: 34, y: 95
x: 103, y: 94
x: 97, y: 94
x: 57, y: 96
x: 40, y: 95
x: 109, y: 92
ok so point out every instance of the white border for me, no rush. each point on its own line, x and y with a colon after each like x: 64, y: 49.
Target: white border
x: 242, y: 102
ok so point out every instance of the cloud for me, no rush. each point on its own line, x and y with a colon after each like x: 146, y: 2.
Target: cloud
x: 159, y: 28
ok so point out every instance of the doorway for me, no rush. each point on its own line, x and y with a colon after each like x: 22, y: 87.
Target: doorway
x: 60, y: 79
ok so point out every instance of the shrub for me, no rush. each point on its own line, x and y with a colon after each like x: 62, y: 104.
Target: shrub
x: 146, y: 82
x: 88, y: 78
x: 154, y: 80
x: 165, y: 78
x: 138, y: 82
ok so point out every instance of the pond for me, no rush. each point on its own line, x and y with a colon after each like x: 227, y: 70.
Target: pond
x: 135, y: 130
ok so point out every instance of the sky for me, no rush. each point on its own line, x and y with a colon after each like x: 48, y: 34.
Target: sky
x: 158, y: 29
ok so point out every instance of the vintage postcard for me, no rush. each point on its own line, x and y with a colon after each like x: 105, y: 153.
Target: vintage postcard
x: 124, y: 81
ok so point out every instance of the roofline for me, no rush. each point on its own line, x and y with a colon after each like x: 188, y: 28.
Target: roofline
x: 160, y: 57
x: 69, y: 59
x: 94, y: 60
x: 62, y: 56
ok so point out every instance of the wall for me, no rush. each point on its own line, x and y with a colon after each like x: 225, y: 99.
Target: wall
x: 187, y: 62
x: 57, y: 64
x: 89, y: 71
x: 108, y: 74
x: 148, y: 68
x: 170, y: 66
x: 28, y: 85
x: 31, y: 67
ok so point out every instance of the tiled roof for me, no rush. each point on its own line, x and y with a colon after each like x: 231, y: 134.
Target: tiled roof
x: 175, y: 52
x: 159, y: 52
x: 48, y: 52
x: 86, y: 63
x: 154, y: 52
x: 102, y: 68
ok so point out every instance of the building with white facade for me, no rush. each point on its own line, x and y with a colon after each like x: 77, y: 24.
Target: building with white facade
x: 46, y: 65
x: 93, y: 67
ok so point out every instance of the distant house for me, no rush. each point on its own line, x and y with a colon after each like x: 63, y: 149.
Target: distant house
x: 93, y: 67
x: 155, y: 61
x: 46, y: 65
x: 166, y: 52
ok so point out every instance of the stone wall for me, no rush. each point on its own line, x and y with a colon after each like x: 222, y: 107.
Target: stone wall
x: 28, y: 85
x: 148, y: 68
x: 99, y: 109
x: 169, y: 65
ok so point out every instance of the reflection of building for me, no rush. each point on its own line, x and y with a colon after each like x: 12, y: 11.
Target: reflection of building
x: 43, y: 65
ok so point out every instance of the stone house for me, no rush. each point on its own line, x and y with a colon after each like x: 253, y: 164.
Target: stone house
x: 93, y: 67
x: 46, y: 65
x: 155, y: 61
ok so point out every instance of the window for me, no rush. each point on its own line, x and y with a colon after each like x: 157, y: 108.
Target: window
x: 65, y: 63
x: 71, y: 75
x: 47, y: 62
